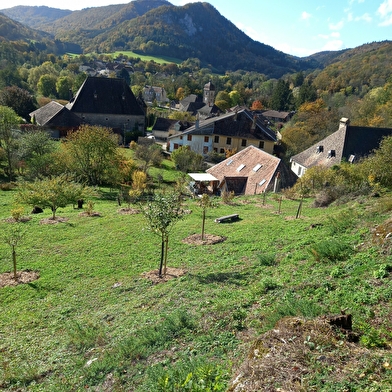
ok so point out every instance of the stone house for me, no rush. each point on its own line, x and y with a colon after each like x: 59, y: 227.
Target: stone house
x: 151, y: 93
x: 349, y: 143
x: 231, y: 131
x: 107, y: 102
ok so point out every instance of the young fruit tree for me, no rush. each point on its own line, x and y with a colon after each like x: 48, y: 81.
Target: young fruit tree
x: 52, y: 193
x: 12, y: 235
x: 162, y: 213
x: 205, y: 202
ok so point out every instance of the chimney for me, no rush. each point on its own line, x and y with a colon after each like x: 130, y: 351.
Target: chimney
x: 344, y: 122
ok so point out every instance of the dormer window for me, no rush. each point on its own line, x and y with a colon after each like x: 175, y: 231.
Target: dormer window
x: 319, y: 149
x: 95, y: 95
x: 331, y: 154
x: 240, y: 167
x: 123, y: 97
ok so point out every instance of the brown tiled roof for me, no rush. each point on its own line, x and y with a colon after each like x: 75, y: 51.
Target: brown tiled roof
x: 346, y: 144
x: 55, y: 114
x: 105, y: 96
x: 256, y: 166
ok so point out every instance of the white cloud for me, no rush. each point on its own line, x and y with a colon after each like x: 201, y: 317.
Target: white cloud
x: 336, y: 44
x: 365, y: 17
x: 336, y: 26
x: 305, y: 15
x: 385, y: 12
x: 385, y: 8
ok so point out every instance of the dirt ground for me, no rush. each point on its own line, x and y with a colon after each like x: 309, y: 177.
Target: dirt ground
x: 7, y: 278
x: 209, y: 239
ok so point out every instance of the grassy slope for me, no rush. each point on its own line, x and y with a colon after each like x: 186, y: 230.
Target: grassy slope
x: 91, y: 302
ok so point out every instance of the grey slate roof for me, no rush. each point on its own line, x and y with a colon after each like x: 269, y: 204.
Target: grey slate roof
x: 55, y: 114
x: 105, y: 95
x: 164, y: 124
x: 348, y: 143
x: 232, y: 124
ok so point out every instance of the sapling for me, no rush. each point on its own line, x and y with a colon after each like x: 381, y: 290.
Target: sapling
x: 12, y: 236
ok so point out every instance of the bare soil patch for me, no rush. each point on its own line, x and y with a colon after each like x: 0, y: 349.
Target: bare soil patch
x: 209, y: 239
x: 7, y: 278
x: 51, y: 221
x: 22, y: 219
x: 128, y: 211
x: 92, y: 214
x: 171, y: 273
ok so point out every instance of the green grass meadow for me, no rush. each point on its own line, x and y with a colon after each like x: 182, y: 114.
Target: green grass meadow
x: 92, y: 321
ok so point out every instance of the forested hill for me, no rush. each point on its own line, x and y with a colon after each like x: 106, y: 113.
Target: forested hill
x: 12, y: 30
x: 35, y: 17
x: 157, y: 27
x: 197, y: 30
x: 366, y: 66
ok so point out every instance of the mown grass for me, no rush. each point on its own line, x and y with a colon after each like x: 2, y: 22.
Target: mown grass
x: 92, y: 320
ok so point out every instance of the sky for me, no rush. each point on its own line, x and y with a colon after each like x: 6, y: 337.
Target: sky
x: 300, y: 27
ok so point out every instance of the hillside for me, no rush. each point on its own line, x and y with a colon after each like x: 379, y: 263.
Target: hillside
x: 250, y: 308
x: 11, y: 30
x: 366, y: 66
x: 156, y: 27
x: 35, y: 17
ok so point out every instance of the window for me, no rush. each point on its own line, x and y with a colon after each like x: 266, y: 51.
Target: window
x: 331, y: 154
x: 228, y: 140
x: 175, y: 146
x: 205, y: 150
x: 206, y: 139
x: 215, y: 150
x: 261, y: 144
x: 319, y: 149
x: 240, y: 167
x: 222, y: 150
x: 229, y: 163
x: 216, y: 139
x: 257, y: 167
x: 243, y: 142
x: 189, y: 137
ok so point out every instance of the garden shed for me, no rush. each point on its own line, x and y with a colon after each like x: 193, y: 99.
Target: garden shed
x: 203, y: 183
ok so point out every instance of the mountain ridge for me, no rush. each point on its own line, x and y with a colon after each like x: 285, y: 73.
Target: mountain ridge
x: 156, y: 27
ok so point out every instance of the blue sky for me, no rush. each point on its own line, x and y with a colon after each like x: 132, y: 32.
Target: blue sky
x: 300, y: 27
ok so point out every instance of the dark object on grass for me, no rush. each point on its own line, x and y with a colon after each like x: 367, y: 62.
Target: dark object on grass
x: 37, y: 210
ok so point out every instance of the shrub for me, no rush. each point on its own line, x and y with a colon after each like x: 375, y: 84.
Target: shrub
x: 330, y: 250
x: 227, y: 197
x: 266, y: 259
x: 17, y: 213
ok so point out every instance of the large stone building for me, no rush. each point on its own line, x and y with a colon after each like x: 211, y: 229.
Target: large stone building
x: 107, y: 102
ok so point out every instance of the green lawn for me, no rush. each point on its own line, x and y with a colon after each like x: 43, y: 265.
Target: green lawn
x: 92, y: 320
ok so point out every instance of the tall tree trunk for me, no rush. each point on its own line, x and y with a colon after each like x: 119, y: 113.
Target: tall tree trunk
x: 162, y: 255
x: 202, y: 227
x: 14, y: 262
x: 166, y: 247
